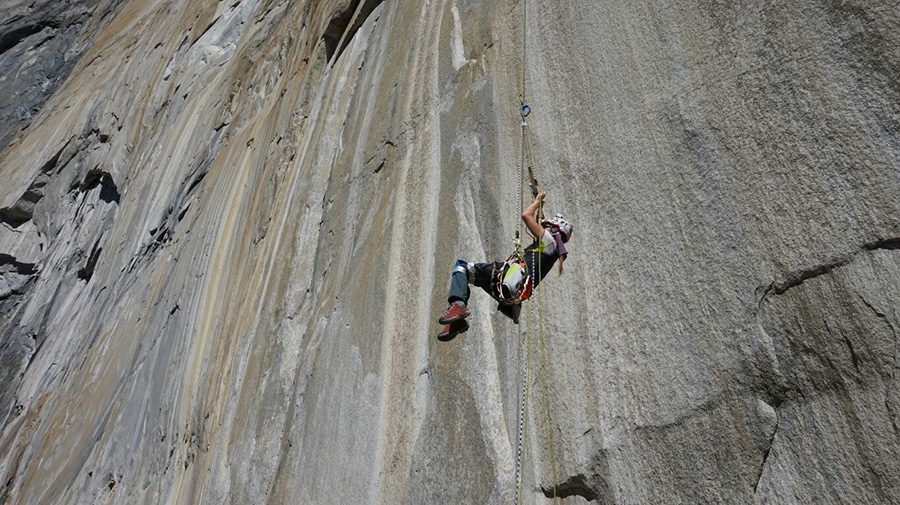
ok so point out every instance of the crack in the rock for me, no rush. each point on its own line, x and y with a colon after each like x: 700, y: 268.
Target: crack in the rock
x: 575, y: 485
x: 15, y: 37
x: 20, y: 267
x: 891, y: 244
x: 853, y: 355
x: 765, y: 458
x: 880, y: 315
x: 109, y: 192
x: 28, y: 270
x: 22, y: 211
x: 797, y: 278
x: 340, y: 31
x: 85, y: 273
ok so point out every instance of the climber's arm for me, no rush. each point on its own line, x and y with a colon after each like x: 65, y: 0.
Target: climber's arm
x: 531, y: 223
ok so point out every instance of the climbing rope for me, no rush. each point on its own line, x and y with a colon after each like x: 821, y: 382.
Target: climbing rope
x: 518, y: 240
x: 523, y: 402
x: 523, y: 110
x: 525, y: 393
x: 524, y: 45
x: 525, y: 354
x: 540, y: 310
x: 523, y: 419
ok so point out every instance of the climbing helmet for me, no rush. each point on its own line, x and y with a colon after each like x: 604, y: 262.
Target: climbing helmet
x: 560, y: 222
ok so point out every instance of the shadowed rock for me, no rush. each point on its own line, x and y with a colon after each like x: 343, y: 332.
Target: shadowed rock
x: 38, y: 48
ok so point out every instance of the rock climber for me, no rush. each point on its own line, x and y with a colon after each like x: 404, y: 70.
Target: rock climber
x: 509, y: 282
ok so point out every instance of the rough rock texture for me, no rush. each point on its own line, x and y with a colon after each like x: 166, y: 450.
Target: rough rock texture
x: 225, y: 239
x: 39, y: 45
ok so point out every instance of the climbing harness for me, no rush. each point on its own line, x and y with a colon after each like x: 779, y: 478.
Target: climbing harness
x: 514, y: 285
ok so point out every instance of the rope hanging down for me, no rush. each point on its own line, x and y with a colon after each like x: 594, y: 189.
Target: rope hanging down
x: 525, y: 148
x: 523, y: 401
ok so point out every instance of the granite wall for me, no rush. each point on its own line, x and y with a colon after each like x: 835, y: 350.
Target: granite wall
x: 226, y: 230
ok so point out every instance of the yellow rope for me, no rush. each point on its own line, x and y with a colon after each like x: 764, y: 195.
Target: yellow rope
x: 526, y: 392
x: 525, y: 147
x: 540, y: 307
x: 544, y: 394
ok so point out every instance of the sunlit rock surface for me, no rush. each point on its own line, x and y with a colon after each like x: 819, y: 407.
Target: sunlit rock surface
x: 225, y: 240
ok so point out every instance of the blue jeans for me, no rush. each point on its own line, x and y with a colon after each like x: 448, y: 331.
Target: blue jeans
x: 480, y: 274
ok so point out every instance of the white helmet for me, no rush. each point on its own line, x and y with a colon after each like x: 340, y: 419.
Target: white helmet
x: 560, y: 222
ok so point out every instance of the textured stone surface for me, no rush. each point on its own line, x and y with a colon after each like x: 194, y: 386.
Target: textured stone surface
x: 39, y: 45
x: 225, y: 240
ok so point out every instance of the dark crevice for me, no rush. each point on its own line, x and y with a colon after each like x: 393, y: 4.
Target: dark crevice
x: 379, y: 159
x: 573, y: 486
x: 187, y: 198
x: 9, y: 264
x: 111, y: 8
x: 40, y: 43
x: 198, y: 179
x: 52, y: 163
x: 198, y: 174
x: 19, y: 267
x: 208, y: 28
x: 765, y: 457
x: 795, y: 279
x: 16, y: 216
x: 853, y: 355
x: 879, y: 314
x: 15, y: 37
x: 183, y: 212
x: 21, y: 212
x: 86, y: 272
x: 891, y: 244
x: 893, y: 415
x: 340, y: 26
x: 109, y: 193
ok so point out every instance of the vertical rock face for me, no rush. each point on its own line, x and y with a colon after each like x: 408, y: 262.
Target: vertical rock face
x: 225, y: 238
x: 39, y: 45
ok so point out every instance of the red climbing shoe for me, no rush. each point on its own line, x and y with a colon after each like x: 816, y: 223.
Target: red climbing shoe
x: 453, y: 329
x: 455, y: 312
